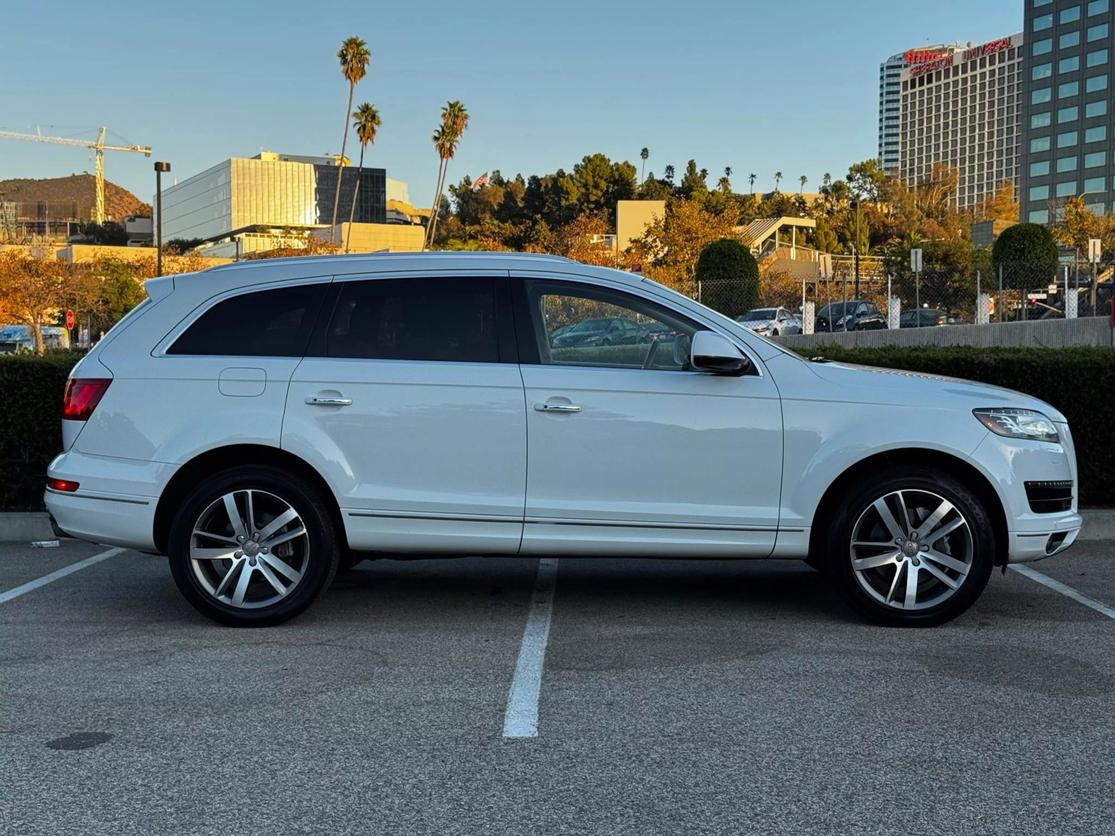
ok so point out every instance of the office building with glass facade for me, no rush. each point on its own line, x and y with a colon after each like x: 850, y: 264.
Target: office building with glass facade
x: 270, y: 194
x: 1067, y: 108
x: 962, y: 110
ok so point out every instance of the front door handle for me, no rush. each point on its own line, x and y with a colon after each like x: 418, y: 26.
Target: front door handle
x: 566, y: 408
x: 319, y: 401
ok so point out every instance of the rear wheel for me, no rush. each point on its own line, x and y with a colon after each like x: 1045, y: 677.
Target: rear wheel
x: 911, y: 548
x: 253, y: 546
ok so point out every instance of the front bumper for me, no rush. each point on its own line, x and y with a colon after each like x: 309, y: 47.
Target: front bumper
x: 1011, y: 463
x: 115, y: 502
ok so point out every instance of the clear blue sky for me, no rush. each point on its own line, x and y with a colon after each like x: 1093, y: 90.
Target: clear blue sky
x: 545, y: 83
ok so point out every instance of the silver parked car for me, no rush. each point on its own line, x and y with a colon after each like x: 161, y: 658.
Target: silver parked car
x: 771, y: 322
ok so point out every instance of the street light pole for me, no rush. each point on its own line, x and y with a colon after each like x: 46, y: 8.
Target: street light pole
x: 160, y: 167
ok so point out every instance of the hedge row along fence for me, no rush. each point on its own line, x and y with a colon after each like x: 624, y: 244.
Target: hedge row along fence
x: 30, y: 423
x: 1078, y: 381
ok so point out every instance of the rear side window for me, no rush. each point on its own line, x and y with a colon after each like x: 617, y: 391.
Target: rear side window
x: 270, y: 323
x: 451, y: 320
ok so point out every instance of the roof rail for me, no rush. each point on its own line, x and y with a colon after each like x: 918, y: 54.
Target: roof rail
x: 311, y: 259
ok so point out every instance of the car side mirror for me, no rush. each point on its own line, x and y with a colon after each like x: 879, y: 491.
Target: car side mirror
x: 716, y: 354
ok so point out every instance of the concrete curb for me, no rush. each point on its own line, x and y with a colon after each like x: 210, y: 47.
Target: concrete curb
x: 25, y: 526
x: 1099, y: 524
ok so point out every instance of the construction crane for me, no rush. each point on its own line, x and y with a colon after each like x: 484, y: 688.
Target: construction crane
x: 99, y: 148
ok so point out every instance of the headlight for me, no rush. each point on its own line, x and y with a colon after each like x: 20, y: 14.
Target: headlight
x: 1018, y: 423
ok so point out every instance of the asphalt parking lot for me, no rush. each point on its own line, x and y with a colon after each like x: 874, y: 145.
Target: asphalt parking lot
x: 700, y: 697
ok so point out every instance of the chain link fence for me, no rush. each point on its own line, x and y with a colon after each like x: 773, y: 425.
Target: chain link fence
x: 930, y: 298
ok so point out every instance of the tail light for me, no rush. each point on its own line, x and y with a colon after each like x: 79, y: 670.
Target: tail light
x: 64, y: 485
x: 82, y: 396
x: 940, y: 320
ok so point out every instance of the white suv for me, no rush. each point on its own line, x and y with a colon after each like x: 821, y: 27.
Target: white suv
x: 262, y: 423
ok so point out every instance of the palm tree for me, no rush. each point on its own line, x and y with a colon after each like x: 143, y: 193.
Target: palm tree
x: 751, y: 178
x: 365, y: 122
x: 354, y: 58
x: 643, y: 156
x: 454, y: 120
x: 777, y: 179
x: 727, y: 171
x: 803, y: 180
x: 726, y: 180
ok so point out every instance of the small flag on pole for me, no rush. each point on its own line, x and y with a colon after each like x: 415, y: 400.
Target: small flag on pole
x: 480, y: 182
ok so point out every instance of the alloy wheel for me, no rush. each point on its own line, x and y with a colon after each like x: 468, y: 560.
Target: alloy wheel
x: 911, y: 549
x: 249, y: 549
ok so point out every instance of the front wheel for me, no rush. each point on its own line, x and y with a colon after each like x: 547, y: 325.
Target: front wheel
x: 253, y: 546
x: 914, y: 548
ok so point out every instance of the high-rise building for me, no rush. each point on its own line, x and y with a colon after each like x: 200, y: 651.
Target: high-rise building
x: 890, y: 98
x: 1068, y: 107
x: 962, y: 110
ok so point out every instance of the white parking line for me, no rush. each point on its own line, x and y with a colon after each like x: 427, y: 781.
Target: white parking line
x: 1067, y: 591
x: 521, y: 718
x: 30, y: 586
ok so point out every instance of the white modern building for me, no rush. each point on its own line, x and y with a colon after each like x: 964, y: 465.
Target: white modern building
x: 964, y: 110
x: 269, y: 195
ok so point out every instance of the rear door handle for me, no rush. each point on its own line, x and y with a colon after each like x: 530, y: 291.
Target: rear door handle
x: 318, y: 401
x: 567, y: 408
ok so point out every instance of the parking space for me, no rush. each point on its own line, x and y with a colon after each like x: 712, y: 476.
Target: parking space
x: 696, y: 697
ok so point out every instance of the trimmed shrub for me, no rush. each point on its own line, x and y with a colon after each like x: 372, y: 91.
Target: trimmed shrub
x: 31, y: 390
x: 1080, y: 382
x: 1027, y: 255
x: 729, y: 277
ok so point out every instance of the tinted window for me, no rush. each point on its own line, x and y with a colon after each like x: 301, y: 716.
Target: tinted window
x: 416, y: 319
x: 270, y: 323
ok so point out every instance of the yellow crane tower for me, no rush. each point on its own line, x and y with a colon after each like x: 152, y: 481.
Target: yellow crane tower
x: 99, y: 148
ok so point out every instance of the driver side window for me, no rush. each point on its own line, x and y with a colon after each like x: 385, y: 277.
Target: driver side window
x: 589, y: 326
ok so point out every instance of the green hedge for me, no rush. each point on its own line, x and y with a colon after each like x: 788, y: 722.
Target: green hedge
x: 1078, y: 381
x: 30, y: 423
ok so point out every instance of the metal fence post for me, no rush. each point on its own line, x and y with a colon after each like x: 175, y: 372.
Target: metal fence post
x: 999, y: 304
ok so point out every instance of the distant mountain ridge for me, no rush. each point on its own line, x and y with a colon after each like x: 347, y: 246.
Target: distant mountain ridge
x: 73, y: 197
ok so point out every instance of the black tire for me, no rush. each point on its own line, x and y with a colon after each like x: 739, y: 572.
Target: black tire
x: 978, y: 537
x: 319, y: 561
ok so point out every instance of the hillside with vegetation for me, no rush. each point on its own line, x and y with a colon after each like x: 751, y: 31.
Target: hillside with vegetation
x: 76, y: 194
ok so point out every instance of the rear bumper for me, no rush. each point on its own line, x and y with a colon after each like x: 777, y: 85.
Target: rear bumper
x: 118, y: 521
x: 115, y: 502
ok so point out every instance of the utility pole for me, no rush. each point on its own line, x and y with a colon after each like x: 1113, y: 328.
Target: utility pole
x: 916, y: 257
x: 160, y: 167
x: 1095, y: 253
x: 855, y: 250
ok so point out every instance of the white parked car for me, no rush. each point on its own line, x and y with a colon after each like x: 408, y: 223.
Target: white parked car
x: 262, y: 423
x: 771, y: 322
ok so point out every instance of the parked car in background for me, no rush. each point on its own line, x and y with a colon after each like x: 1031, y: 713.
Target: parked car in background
x: 266, y: 422
x: 853, y: 315
x: 20, y: 338
x: 771, y: 322
x: 606, y: 331
x: 928, y: 318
